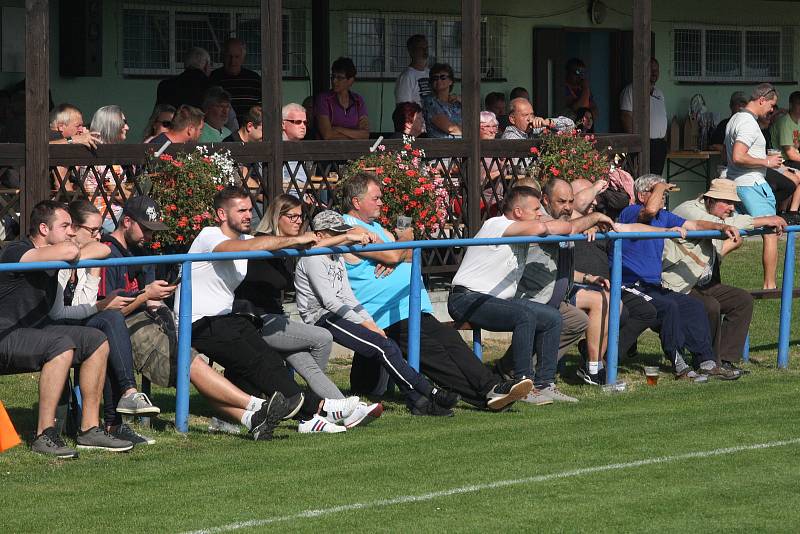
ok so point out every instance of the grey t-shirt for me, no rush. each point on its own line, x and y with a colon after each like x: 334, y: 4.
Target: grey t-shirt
x: 322, y: 287
x: 547, y: 277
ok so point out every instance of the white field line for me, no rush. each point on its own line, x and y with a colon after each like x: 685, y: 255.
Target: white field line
x: 492, y: 485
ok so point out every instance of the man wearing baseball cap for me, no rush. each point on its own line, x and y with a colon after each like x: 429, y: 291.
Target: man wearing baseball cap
x: 693, y: 266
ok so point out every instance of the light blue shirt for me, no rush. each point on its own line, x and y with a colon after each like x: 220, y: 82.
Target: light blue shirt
x: 386, y: 299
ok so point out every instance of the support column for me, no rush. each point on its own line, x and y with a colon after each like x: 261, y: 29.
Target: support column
x: 271, y: 91
x: 37, y: 85
x: 320, y: 45
x: 642, y: 16
x: 471, y: 107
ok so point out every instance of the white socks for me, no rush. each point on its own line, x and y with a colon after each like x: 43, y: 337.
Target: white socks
x: 247, y: 417
x: 594, y: 368
x: 254, y: 404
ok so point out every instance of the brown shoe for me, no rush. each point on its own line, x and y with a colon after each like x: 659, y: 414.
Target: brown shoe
x: 720, y: 373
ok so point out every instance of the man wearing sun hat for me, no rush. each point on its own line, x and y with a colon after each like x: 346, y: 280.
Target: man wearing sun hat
x: 693, y: 266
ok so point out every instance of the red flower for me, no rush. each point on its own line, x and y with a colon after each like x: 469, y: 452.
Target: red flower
x: 407, y: 146
x: 415, y: 152
x: 554, y: 171
x: 197, y: 218
x: 156, y: 245
x: 189, y: 191
x: 411, y: 172
x: 219, y: 188
x: 195, y: 227
x: 378, y: 170
x: 405, y: 198
x: 534, y: 150
x: 418, y: 191
x: 172, y: 207
x: 165, y: 157
x: 180, y: 238
x: 183, y: 222
x: 178, y: 164
x: 387, y: 180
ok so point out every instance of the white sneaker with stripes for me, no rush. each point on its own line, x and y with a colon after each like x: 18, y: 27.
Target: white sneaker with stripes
x: 319, y: 424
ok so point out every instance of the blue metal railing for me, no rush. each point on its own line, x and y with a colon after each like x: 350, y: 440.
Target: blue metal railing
x: 612, y: 356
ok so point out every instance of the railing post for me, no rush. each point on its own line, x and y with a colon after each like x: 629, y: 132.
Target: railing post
x: 787, y: 289
x: 612, y: 353
x: 184, y: 349
x: 415, y: 308
x: 477, y: 344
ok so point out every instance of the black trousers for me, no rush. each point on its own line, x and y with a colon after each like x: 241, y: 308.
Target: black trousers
x: 637, y: 316
x: 447, y: 360
x: 249, y: 362
x: 658, y: 155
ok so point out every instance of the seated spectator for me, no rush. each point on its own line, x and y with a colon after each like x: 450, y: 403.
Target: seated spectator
x: 584, y: 120
x: 591, y: 258
x: 159, y: 122
x: 485, y: 288
x: 442, y: 109
x: 66, y: 127
x: 408, y: 119
x: 684, y: 323
x: 216, y: 105
x: 250, y: 130
x: 186, y: 127
x: 111, y: 124
x: 76, y: 303
x: 189, y: 87
x: 244, y: 85
x: 414, y: 83
x: 786, y: 137
x: 737, y: 103
x: 295, y: 126
x: 693, y: 266
x: 31, y: 344
x: 325, y: 299
x: 151, y: 324
x: 341, y: 113
x: 577, y: 90
x: 234, y: 340
x: 519, y: 92
x: 492, y: 168
x: 495, y: 102
x: 444, y: 357
x: 748, y: 162
x: 523, y: 124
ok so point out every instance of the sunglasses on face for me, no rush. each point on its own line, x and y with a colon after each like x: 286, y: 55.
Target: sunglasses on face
x: 441, y: 77
x: 297, y: 122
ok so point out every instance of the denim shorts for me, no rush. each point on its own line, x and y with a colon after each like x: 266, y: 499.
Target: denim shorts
x: 757, y: 200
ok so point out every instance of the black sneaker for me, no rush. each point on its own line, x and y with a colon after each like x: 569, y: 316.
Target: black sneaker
x: 265, y: 420
x: 445, y: 399
x: 295, y: 402
x: 423, y: 406
x: 507, y: 392
x: 51, y: 444
x: 97, y: 438
x: 598, y: 379
x: 125, y: 432
x: 735, y: 368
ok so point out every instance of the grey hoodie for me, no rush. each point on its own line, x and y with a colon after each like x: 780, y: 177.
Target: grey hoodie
x: 322, y: 287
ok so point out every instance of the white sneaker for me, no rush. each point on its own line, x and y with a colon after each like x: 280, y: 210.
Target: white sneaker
x: 319, y: 424
x: 339, y: 409
x: 364, y: 414
x: 536, y: 398
x: 553, y: 393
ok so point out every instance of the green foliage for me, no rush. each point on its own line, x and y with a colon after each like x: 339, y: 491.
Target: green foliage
x: 570, y: 155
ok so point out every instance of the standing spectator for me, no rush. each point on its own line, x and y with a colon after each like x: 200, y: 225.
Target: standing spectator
x: 693, y: 266
x: 325, y: 299
x: 185, y: 127
x: 786, y: 137
x: 244, y: 85
x: 216, y: 105
x: 442, y: 109
x: 737, y: 103
x: 414, y: 83
x: 112, y: 126
x: 189, y: 86
x: 381, y: 283
x: 151, y: 323
x: 29, y: 343
x: 519, y: 92
x: 496, y: 103
x: 76, y: 303
x: 341, y: 113
x: 159, y: 122
x: 408, y: 119
x: 577, y: 90
x: 523, y: 124
x: 747, y: 166
x: 658, y: 118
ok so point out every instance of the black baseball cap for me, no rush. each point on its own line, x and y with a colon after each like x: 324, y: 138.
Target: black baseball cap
x: 144, y: 211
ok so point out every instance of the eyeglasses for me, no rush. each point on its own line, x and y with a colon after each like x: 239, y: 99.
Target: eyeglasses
x: 441, y: 77
x: 93, y: 230
x: 293, y: 217
x: 297, y: 122
x: 489, y: 126
x: 338, y: 77
x: 166, y: 124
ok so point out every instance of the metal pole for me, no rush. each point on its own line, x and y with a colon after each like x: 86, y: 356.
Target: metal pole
x: 477, y: 344
x: 612, y: 354
x: 415, y: 308
x: 184, y: 349
x: 784, y: 331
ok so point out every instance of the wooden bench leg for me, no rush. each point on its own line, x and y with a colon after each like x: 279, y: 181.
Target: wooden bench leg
x: 477, y: 346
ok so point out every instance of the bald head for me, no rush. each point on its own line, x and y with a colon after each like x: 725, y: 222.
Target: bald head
x: 521, y: 113
x: 557, y: 198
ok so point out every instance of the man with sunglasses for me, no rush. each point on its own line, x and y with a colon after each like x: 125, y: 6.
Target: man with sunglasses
x: 294, y: 125
x: 748, y: 162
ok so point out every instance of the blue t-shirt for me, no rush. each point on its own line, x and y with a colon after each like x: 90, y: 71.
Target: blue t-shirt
x: 641, y: 258
x: 386, y: 299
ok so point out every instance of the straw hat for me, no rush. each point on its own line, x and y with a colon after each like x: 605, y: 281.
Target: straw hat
x: 722, y: 189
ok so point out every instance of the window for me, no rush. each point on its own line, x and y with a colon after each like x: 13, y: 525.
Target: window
x: 155, y: 37
x: 732, y: 54
x: 377, y: 43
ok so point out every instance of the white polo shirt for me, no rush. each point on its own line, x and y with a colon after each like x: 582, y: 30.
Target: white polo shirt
x: 658, y: 110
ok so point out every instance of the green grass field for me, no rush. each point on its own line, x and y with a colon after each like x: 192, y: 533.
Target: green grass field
x: 529, y: 469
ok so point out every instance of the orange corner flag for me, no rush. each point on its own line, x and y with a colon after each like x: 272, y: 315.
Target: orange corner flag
x: 8, y: 434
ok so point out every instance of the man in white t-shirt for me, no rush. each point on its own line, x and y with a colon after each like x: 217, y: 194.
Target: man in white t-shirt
x: 658, y: 118
x: 414, y: 82
x: 486, y: 282
x: 748, y: 162
x: 234, y: 340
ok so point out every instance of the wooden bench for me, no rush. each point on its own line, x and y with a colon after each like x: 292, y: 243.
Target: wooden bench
x: 764, y: 294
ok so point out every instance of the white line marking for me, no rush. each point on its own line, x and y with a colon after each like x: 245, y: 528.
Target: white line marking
x: 307, y: 514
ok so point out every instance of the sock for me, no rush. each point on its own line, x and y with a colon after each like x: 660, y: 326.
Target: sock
x: 680, y: 364
x: 708, y: 364
x: 247, y: 417
x: 594, y: 368
x: 254, y: 404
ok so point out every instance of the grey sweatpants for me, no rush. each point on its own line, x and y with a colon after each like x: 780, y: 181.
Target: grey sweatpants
x: 306, y: 348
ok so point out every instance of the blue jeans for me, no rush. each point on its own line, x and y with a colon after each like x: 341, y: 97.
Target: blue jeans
x: 535, y: 327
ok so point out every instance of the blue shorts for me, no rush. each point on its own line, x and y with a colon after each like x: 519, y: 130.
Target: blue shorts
x: 757, y: 200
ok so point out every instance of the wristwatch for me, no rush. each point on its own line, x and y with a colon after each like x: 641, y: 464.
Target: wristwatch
x: 69, y: 140
x: 585, y: 278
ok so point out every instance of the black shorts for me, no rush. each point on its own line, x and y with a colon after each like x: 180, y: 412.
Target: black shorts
x: 26, y: 350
